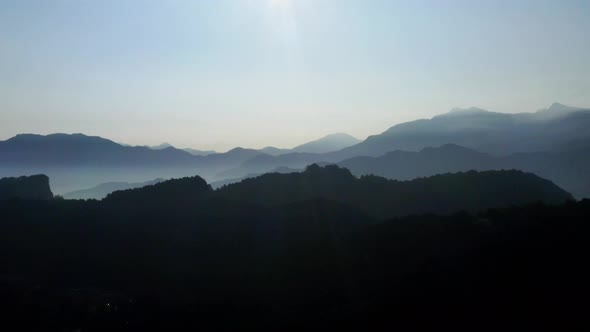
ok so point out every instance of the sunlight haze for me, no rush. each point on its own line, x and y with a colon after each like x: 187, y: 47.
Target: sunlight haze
x: 226, y: 73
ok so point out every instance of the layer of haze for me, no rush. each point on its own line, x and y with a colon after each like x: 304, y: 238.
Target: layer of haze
x: 225, y: 73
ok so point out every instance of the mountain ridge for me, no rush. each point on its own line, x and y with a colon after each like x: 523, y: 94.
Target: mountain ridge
x: 328, y: 143
x: 485, y: 131
x: 384, y: 198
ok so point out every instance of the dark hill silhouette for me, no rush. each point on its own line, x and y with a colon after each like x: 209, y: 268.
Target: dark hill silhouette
x: 407, y: 165
x: 34, y: 187
x: 138, y: 263
x: 264, y: 163
x: 383, y: 198
x: 378, y: 197
x: 282, y: 170
x: 566, y: 168
x: 170, y: 190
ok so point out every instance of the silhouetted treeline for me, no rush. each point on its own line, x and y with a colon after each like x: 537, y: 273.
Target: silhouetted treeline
x: 382, y: 198
x: 566, y: 167
x: 178, y: 255
x: 26, y: 187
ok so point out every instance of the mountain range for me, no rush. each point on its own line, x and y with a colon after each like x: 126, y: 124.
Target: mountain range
x: 552, y: 142
x: 496, y: 133
x: 79, y: 150
x: 194, y: 152
x: 328, y: 143
x: 555, y: 128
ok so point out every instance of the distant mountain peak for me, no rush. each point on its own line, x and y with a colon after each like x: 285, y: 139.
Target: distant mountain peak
x: 469, y: 110
x: 556, y: 110
x: 558, y: 107
x: 328, y: 143
x: 161, y: 146
x: 56, y: 137
x: 241, y: 150
x: 22, y: 137
x: 196, y: 152
x: 339, y: 135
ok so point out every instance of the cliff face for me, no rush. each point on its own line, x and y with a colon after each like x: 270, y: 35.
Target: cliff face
x: 35, y: 187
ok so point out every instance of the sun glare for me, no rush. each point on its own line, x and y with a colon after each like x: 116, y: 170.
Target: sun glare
x: 279, y: 2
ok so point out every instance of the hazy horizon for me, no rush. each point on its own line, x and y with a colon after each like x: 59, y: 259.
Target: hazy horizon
x: 252, y: 73
x: 263, y: 145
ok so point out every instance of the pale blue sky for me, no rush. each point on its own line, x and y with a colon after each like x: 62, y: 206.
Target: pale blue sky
x: 222, y: 73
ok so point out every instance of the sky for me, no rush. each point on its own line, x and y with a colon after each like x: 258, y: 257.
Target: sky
x: 216, y: 74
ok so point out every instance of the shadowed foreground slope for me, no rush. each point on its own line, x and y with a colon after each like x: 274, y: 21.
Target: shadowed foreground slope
x: 382, y: 198
x: 566, y: 168
x: 180, y: 255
